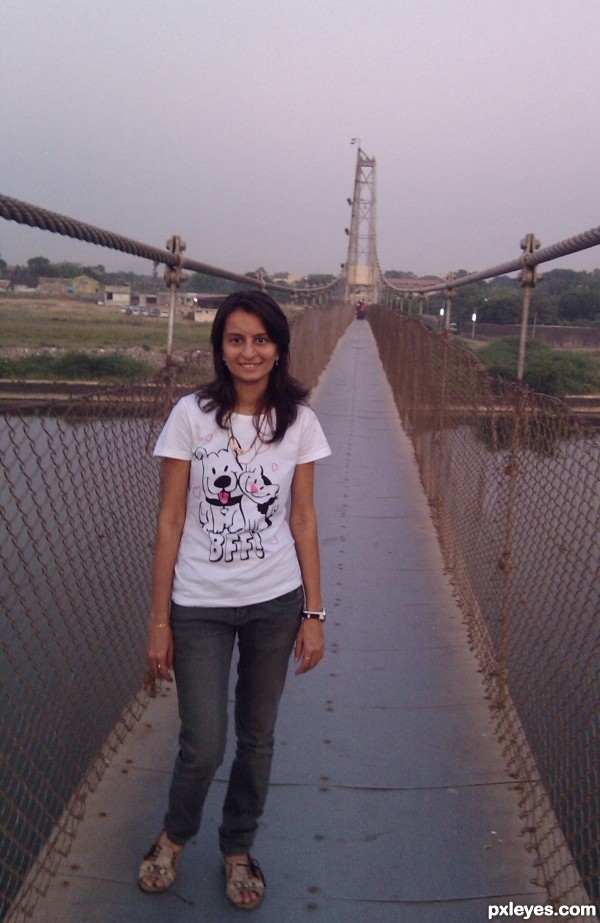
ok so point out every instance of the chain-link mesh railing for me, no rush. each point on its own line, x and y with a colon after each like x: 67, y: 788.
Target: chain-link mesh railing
x: 513, y: 484
x: 77, y: 522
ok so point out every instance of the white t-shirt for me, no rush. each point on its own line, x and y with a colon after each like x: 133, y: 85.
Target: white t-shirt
x: 236, y: 548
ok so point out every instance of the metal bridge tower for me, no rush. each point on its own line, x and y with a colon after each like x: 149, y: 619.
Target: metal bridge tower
x: 362, y: 266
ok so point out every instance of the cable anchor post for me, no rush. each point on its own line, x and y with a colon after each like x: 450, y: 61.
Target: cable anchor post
x: 173, y: 278
x: 529, y: 277
x: 449, y: 293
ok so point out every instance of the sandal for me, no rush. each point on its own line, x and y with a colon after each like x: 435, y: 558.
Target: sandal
x: 244, y: 876
x: 159, y: 865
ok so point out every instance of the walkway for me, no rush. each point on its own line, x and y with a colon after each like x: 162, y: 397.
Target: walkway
x: 389, y: 800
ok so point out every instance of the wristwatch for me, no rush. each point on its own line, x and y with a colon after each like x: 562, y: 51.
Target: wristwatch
x: 320, y: 614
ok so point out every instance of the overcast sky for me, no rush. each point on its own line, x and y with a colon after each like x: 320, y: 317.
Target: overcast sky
x: 229, y: 122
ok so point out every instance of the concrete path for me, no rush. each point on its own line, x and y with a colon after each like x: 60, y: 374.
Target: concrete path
x: 390, y: 800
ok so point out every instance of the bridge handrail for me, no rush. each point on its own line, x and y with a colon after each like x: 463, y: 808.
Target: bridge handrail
x: 76, y: 525
x: 574, y: 244
x: 25, y: 213
x: 512, y: 480
x: 34, y: 216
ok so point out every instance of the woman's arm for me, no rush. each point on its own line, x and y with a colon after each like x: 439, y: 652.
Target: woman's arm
x: 175, y: 476
x: 310, y: 643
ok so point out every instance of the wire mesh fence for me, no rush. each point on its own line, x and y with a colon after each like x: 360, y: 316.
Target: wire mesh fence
x: 77, y: 524
x: 513, y: 483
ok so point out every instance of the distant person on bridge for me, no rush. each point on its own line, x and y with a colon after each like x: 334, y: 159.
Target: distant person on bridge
x: 227, y: 567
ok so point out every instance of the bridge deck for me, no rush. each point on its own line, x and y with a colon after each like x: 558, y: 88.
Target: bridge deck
x: 390, y: 800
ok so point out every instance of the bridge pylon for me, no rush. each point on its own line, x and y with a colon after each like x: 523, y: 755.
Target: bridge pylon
x: 362, y: 265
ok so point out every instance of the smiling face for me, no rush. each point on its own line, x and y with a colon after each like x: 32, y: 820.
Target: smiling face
x: 248, y: 350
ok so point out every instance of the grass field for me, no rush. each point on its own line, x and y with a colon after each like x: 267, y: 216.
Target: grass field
x: 36, y: 325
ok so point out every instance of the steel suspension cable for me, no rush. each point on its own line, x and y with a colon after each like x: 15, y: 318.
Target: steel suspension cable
x: 574, y: 244
x: 34, y: 216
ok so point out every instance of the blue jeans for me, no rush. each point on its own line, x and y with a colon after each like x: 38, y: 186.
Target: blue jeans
x: 203, y: 647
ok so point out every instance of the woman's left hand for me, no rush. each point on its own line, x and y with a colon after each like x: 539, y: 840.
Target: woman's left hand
x: 310, y: 645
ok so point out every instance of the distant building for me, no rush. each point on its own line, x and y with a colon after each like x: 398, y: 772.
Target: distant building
x: 117, y: 295
x: 86, y: 286
x: 5, y: 285
x: 151, y: 299
x: 204, y: 315
x: 82, y: 286
x: 51, y: 285
x: 286, y: 277
x: 204, y: 305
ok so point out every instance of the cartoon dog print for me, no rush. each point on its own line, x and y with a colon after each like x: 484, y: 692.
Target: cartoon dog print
x: 259, y: 498
x: 220, y: 502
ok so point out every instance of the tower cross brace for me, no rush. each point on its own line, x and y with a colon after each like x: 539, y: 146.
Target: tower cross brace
x: 362, y: 267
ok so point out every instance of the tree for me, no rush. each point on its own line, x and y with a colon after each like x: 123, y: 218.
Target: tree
x: 96, y: 272
x: 201, y: 282
x: 260, y: 273
x: 544, y: 306
x: 39, y: 266
x: 399, y: 274
x: 316, y: 279
x: 558, y: 281
x: 505, y: 282
x: 66, y: 270
x: 579, y: 305
x: 504, y: 307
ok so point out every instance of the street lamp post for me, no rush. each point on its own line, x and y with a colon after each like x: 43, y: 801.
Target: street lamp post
x: 473, y: 319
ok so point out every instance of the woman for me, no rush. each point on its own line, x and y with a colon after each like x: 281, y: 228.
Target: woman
x: 229, y: 567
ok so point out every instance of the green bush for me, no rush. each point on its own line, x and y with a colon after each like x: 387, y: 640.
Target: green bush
x: 80, y: 365
x: 549, y: 371
x: 36, y: 367
x: 76, y: 366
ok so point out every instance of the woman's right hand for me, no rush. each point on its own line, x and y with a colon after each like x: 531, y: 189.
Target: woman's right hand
x: 159, y: 651
x: 174, y: 481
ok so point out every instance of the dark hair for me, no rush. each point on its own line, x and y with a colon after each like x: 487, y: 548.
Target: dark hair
x: 283, y: 393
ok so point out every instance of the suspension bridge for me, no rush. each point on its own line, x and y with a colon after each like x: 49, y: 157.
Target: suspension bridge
x: 443, y: 764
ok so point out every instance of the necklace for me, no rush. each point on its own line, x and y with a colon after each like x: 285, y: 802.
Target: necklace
x: 234, y: 442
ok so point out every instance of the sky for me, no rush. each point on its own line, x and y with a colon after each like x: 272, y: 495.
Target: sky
x: 230, y: 122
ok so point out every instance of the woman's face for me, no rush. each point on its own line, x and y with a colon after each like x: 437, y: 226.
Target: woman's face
x: 248, y: 350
